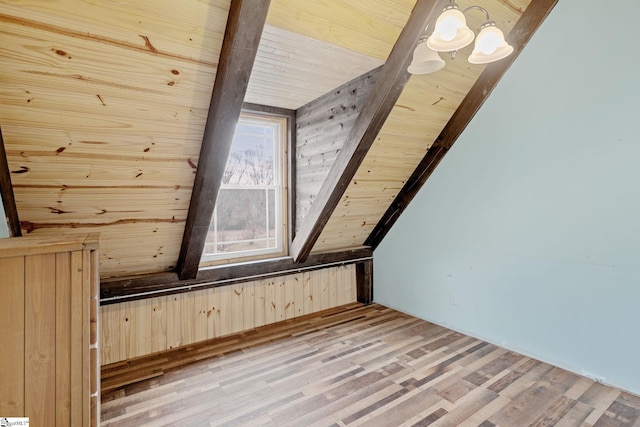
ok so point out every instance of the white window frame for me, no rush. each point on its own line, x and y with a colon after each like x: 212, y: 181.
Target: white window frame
x: 279, y: 186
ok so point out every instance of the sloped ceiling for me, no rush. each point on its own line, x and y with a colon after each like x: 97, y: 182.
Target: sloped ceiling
x: 292, y: 69
x: 103, y: 107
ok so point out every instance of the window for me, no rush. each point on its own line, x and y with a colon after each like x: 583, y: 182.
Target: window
x: 249, y: 218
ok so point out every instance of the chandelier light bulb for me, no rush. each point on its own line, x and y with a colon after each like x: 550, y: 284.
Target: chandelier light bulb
x: 490, y: 45
x: 489, y: 40
x: 451, y: 31
x: 448, y: 28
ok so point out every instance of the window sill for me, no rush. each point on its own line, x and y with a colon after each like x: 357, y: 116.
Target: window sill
x: 153, y: 285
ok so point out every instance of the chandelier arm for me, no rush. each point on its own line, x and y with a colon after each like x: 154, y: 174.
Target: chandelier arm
x: 480, y: 8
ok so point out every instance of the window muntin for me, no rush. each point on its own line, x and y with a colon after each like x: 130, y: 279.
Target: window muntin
x: 249, y: 217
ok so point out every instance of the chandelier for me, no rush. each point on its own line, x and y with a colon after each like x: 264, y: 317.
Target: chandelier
x: 451, y: 33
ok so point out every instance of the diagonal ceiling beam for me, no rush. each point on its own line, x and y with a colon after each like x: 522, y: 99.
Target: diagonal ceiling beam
x: 242, y: 36
x: 521, y: 33
x: 379, y: 104
x: 6, y: 193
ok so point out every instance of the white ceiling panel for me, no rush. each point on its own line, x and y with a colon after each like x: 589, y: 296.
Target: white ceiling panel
x: 292, y: 69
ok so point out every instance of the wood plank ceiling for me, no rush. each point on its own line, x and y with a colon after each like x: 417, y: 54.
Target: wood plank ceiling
x: 103, y: 107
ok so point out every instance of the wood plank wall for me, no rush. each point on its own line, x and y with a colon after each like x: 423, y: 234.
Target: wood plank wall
x: 48, y: 323
x: 138, y: 328
x: 322, y: 126
x: 103, y: 111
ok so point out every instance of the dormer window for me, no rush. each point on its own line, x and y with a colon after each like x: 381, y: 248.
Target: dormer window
x: 249, y: 220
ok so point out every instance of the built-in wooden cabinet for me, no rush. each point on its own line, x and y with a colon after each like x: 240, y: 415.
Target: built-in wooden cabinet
x: 49, y: 357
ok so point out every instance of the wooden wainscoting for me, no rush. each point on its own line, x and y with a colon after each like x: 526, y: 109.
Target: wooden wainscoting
x: 49, y: 369
x: 138, y: 328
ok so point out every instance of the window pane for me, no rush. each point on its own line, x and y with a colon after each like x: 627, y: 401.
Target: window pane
x: 241, y: 221
x: 271, y: 206
x: 252, y: 157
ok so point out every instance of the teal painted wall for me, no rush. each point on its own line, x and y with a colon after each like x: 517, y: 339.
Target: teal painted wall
x: 528, y: 233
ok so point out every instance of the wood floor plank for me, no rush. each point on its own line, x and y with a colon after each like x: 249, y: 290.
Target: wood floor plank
x: 525, y: 408
x: 554, y: 413
x: 467, y: 406
x: 354, y: 366
x: 619, y: 412
x: 486, y: 412
x: 605, y: 397
x: 575, y: 416
x: 403, y: 410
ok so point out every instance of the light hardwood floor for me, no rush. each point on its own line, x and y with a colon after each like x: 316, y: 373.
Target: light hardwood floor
x: 356, y: 365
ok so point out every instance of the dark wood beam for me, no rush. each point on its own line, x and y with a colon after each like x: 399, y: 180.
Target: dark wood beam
x: 267, y: 110
x: 152, y: 285
x: 521, y: 33
x: 364, y: 281
x: 6, y: 193
x: 242, y: 36
x: 379, y: 104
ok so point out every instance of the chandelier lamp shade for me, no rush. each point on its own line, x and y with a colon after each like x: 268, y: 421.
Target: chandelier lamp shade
x: 451, y: 33
x: 425, y: 59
